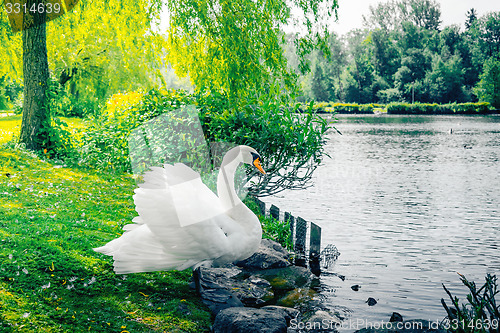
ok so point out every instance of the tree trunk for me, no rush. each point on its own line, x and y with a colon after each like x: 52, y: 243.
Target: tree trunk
x: 36, y: 74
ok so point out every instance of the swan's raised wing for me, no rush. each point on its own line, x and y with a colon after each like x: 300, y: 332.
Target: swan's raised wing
x: 184, y: 215
x: 182, y: 197
x: 194, y: 202
x: 174, y: 205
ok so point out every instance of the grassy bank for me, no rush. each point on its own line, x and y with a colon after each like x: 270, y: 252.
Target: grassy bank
x: 50, y: 278
x: 9, y: 126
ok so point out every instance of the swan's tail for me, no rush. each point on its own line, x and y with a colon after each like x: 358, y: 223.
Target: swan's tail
x: 138, y: 250
x: 181, y: 223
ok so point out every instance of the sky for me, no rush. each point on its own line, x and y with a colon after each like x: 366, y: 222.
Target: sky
x: 350, y: 12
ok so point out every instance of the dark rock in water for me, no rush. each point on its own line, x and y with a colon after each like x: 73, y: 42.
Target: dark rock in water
x: 269, y: 255
x: 249, y: 320
x: 265, y: 278
x: 297, y: 296
x: 288, y: 278
x: 300, y: 260
x: 371, y: 301
x: 253, y: 286
x: 396, y: 317
x: 292, y: 285
x: 254, y: 292
x: 355, y: 287
x: 340, y: 276
x: 314, y: 263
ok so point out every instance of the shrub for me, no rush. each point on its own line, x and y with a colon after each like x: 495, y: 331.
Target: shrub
x: 321, y: 106
x: 9, y: 92
x: 5, y: 103
x: 59, y: 100
x: 352, y: 108
x: 365, y: 108
x: 389, y: 95
x: 347, y: 108
x: 341, y: 108
x: 481, y: 314
x: 105, y: 142
x: 54, y: 139
x: 63, y: 104
x: 291, y: 144
x: 425, y: 108
x: 468, y: 108
x: 276, y: 230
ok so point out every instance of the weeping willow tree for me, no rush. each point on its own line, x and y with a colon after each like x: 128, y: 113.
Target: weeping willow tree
x: 232, y: 47
x: 235, y: 46
x: 97, y: 48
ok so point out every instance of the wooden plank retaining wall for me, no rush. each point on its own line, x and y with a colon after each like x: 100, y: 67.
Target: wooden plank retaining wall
x: 299, y: 228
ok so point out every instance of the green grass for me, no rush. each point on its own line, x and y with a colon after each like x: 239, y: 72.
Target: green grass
x: 273, y: 229
x: 51, y: 217
x: 9, y: 126
x: 50, y: 278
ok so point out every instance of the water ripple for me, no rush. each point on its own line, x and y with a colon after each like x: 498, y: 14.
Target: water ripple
x: 408, y: 205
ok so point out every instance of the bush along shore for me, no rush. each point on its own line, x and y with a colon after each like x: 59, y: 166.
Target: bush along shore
x: 401, y: 108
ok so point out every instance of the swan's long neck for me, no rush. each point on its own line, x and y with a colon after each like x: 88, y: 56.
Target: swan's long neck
x: 225, y: 181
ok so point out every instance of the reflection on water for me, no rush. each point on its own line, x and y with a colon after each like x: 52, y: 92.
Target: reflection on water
x: 408, y: 204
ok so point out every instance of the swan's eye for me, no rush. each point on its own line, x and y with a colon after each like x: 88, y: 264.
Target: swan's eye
x: 254, y: 156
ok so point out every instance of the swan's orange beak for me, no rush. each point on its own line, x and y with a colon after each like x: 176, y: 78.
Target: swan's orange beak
x: 256, y: 163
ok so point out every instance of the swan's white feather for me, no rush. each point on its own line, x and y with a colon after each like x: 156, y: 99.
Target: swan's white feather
x: 181, y: 223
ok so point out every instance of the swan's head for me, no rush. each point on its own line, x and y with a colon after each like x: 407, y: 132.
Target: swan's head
x: 247, y: 155
x: 252, y: 157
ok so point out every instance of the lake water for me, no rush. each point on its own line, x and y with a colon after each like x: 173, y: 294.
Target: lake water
x: 408, y: 204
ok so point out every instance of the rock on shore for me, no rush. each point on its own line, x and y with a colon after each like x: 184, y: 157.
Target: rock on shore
x: 261, y: 293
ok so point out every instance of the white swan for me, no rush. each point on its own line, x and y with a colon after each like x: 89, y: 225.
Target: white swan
x: 183, y: 224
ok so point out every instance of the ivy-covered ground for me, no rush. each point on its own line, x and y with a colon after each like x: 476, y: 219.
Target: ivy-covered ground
x: 50, y: 278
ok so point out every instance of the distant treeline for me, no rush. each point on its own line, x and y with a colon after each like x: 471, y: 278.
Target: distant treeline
x: 404, y: 54
x: 401, y: 108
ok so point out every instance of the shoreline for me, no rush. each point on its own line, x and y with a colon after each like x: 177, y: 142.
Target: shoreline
x: 380, y: 113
